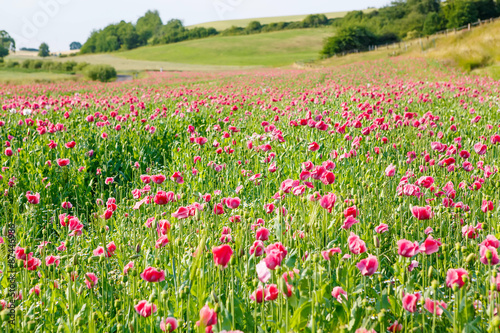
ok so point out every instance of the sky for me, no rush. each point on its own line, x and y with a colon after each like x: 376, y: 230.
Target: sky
x: 60, y: 22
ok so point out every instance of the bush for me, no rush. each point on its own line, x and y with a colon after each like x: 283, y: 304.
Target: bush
x: 348, y: 39
x: 26, y: 64
x: 47, y: 65
x: 68, y: 66
x: 36, y: 64
x: 81, y: 66
x: 103, y: 73
x: 11, y: 64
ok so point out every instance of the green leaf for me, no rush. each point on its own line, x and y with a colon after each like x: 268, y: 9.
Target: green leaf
x: 301, y: 316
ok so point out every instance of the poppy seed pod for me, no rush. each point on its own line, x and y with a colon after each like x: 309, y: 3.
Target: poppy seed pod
x: 471, y: 258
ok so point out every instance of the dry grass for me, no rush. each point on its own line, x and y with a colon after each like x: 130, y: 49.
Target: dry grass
x: 221, y: 25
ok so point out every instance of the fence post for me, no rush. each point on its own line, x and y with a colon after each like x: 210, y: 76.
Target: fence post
x: 468, y: 27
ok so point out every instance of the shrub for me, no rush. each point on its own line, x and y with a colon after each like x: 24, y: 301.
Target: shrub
x: 36, y: 64
x: 349, y: 38
x: 81, y: 66
x: 68, y: 66
x: 26, y: 64
x: 11, y: 64
x: 103, y: 73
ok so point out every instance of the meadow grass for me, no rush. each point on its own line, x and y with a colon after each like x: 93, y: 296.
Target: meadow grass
x: 267, y: 49
x: 221, y: 25
x: 19, y: 77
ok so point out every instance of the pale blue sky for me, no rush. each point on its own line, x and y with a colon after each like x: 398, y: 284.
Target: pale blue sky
x: 60, y: 22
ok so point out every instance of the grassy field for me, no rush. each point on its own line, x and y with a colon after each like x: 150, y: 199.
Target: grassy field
x: 476, y: 51
x: 125, y: 66
x: 275, y: 49
x: 221, y: 25
x: 18, y: 77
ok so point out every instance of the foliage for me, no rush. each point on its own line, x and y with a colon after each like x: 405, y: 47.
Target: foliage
x: 349, y: 38
x: 359, y: 198
x: 43, y: 50
x: 406, y: 19
x: 7, y: 43
x: 149, y: 30
x: 148, y: 25
x: 37, y: 65
x: 103, y: 73
x: 75, y: 46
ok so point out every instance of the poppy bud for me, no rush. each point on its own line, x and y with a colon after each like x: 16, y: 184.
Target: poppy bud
x: 376, y: 241
x: 458, y: 246
x: 464, y: 249
x: 381, y: 316
x: 430, y: 272
x: 215, y: 298
x: 496, y: 321
x: 434, y: 285
x: 163, y: 295
x: 117, y: 303
x: 152, y: 297
x: 125, y: 279
x: 138, y: 248
x: 119, y: 327
x: 75, y: 260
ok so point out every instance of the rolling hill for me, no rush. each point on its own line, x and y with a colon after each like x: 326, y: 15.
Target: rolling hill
x: 221, y: 25
x: 274, y: 49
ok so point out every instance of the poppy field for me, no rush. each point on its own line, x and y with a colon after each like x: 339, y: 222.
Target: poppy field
x: 359, y: 198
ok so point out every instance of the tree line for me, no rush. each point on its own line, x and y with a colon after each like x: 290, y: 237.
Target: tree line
x: 150, y: 30
x: 405, y: 19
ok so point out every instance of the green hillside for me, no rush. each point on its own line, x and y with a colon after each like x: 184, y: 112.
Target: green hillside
x: 279, y: 48
x: 221, y: 25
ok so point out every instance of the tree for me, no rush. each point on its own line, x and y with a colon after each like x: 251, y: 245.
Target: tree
x: 486, y: 9
x: 3, y: 52
x: 432, y: 24
x: 254, y: 26
x: 148, y: 25
x: 348, y: 39
x: 315, y: 20
x: 7, y: 44
x: 43, y: 50
x: 459, y: 13
x: 75, y: 46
